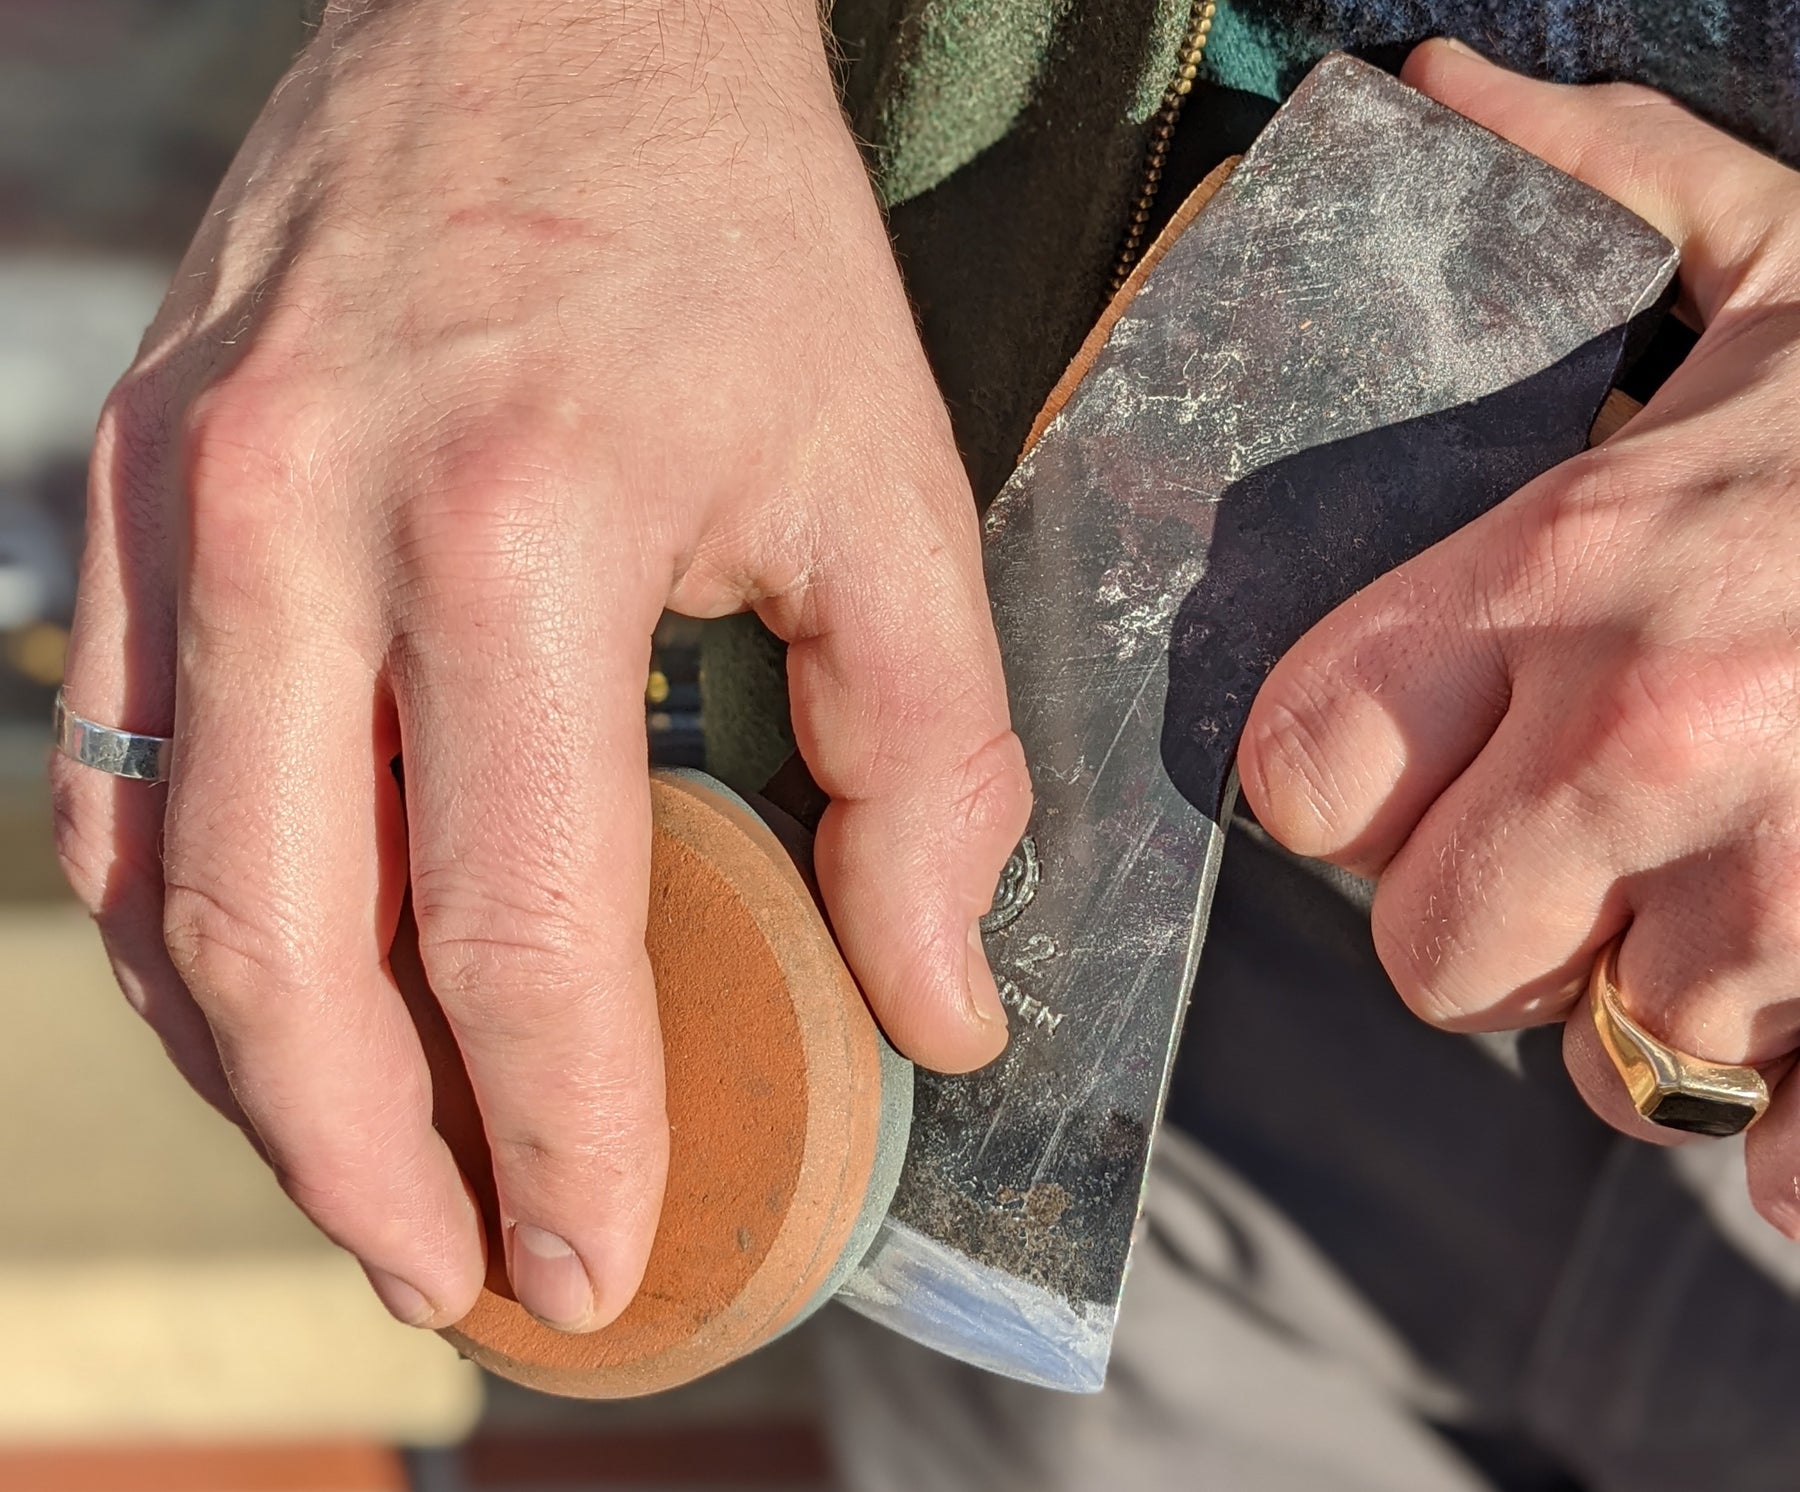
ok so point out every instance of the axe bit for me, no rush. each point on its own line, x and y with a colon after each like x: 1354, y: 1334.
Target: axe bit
x: 1386, y: 321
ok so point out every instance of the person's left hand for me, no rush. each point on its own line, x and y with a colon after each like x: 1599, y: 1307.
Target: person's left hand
x: 1580, y: 716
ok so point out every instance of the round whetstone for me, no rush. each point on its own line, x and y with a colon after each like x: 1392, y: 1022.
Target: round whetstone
x: 774, y: 1073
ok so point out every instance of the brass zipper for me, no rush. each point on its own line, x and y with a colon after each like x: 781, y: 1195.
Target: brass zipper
x: 1162, y: 131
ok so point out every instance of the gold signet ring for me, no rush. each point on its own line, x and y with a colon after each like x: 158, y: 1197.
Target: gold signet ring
x: 1669, y: 1087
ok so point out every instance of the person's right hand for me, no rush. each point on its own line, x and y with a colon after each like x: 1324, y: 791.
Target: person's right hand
x: 515, y: 322
x: 1575, y: 720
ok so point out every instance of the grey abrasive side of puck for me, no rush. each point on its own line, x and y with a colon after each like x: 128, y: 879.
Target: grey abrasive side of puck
x: 884, y: 1176
x: 895, y: 1126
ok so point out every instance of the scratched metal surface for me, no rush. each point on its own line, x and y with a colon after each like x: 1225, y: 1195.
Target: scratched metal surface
x: 1385, y: 322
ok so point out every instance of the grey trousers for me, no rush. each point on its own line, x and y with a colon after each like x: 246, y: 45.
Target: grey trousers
x: 1417, y: 1264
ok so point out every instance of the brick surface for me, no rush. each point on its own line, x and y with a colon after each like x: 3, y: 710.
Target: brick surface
x: 200, y: 1468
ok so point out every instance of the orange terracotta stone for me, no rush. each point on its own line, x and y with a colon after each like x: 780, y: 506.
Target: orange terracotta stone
x: 774, y: 1095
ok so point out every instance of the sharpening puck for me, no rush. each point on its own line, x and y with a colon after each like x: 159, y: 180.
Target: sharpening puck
x: 788, y: 1115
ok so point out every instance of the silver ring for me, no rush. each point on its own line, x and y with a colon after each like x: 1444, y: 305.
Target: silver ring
x: 120, y: 753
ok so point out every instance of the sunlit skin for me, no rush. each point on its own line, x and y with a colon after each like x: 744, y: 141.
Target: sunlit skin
x: 516, y: 322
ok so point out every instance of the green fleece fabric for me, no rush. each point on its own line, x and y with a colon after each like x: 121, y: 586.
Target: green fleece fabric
x: 930, y: 84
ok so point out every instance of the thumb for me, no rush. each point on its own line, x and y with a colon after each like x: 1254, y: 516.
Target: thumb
x: 900, y: 712
x: 1723, y: 204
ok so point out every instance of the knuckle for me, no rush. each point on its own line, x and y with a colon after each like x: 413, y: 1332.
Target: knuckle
x: 535, y: 1159
x: 509, y: 965
x: 993, y: 797
x: 248, y: 446
x: 1415, y: 953
x: 116, y: 877
x: 1651, y: 721
x: 243, y: 437
x: 1684, y: 686
x: 497, y: 982
x: 881, y: 763
x: 224, y: 956
x: 254, y: 447
x: 349, y: 1191
x: 537, y: 1152
x: 606, y: 1125
x: 367, y: 1176
x: 1566, y: 533
x: 326, y: 1194
x: 133, y: 404
x: 496, y: 501
x: 1431, y: 936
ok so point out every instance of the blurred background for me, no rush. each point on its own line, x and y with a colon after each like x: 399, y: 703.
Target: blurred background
x: 171, y: 1323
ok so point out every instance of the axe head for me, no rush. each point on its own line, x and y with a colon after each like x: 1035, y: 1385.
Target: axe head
x: 1386, y: 321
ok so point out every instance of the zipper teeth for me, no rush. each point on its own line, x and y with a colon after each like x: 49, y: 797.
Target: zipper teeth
x: 1162, y: 131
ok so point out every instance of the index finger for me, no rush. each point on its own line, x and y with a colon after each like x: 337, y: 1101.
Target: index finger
x: 529, y: 821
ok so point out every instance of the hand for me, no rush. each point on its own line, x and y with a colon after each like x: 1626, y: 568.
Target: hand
x: 515, y: 322
x: 1581, y: 715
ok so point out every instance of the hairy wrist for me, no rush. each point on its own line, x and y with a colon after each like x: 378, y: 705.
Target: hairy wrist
x: 615, y: 111
x: 677, y: 83
x: 637, y: 35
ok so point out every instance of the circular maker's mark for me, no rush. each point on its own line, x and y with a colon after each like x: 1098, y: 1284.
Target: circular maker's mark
x: 1018, y: 884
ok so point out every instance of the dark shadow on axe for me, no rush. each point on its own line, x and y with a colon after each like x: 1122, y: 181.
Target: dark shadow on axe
x: 1294, y: 539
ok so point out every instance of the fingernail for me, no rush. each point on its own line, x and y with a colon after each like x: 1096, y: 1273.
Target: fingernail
x: 403, y: 1302
x: 984, y: 995
x: 550, y: 1279
x: 1461, y: 47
